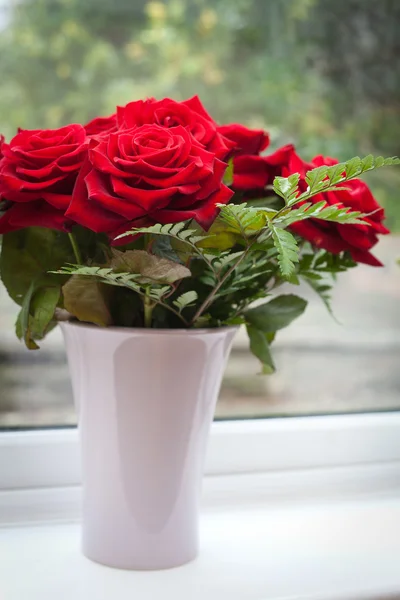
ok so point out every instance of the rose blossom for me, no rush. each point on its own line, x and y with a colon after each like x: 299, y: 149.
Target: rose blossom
x: 336, y: 237
x: 245, y: 140
x: 148, y: 174
x: 251, y: 174
x: 190, y: 114
x: 100, y: 126
x: 37, y: 175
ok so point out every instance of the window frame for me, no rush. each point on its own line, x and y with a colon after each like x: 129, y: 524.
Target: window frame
x: 40, y: 475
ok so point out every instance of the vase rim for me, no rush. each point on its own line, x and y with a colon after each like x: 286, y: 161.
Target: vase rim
x: 150, y: 331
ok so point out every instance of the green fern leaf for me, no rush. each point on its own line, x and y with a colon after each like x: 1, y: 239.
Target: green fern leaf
x: 326, y: 178
x: 288, y: 250
x: 322, y: 289
x: 185, y: 300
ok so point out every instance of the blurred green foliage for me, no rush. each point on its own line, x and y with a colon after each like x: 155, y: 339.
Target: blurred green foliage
x: 322, y: 73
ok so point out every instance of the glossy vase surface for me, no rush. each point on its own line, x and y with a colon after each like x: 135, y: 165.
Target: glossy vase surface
x: 145, y: 400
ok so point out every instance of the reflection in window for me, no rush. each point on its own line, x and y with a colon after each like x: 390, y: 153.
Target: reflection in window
x: 324, y: 74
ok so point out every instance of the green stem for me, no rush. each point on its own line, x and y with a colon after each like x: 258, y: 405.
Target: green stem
x: 148, y: 308
x: 210, y: 298
x: 75, y: 248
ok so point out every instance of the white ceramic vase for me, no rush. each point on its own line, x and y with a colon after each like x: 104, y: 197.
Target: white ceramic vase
x: 146, y: 400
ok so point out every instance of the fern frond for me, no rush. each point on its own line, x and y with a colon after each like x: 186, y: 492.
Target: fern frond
x: 244, y: 220
x: 178, y: 231
x: 288, y: 250
x: 108, y: 276
x: 185, y: 300
x: 324, y: 211
x: 327, y: 178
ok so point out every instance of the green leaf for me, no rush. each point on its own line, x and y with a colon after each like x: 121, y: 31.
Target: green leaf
x: 260, y: 348
x: 227, y: 258
x: 35, y: 318
x: 326, y: 178
x: 276, y: 314
x: 87, y: 300
x: 353, y: 167
x: 323, y: 211
x: 43, y: 306
x: 28, y: 255
x: 220, y: 237
x: 323, y: 290
x: 287, y: 187
x: 108, y: 276
x: 22, y: 325
x: 176, y: 228
x: 151, y: 268
x: 228, y: 176
x: 185, y: 300
x: 245, y: 221
x: 315, y: 177
x: 161, y: 246
x: 185, y: 239
x: 288, y: 250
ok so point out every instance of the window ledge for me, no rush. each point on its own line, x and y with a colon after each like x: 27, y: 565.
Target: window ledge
x: 345, y: 550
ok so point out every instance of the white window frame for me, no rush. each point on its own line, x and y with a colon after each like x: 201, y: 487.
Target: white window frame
x: 326, y: 456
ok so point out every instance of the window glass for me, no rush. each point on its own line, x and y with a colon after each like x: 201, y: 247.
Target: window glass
x: 321, y: 73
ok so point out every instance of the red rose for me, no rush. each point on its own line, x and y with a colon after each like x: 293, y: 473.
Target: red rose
x: 190, y: 114
x: 151, y: 172
x: 252, y: 174
x: 33, y: 214
x: 37, y: 175
x: 101, y: 126
x: 335, y: 237
x: 247, y: 141
x: 1, y: 145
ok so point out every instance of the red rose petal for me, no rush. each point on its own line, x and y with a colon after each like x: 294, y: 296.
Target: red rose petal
x: 204, y: 214
x: 366, y: 258
x: 34, y: 214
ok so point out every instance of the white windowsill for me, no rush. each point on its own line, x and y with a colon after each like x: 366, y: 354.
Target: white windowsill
x: 304, y: 508
x: 347, y: 550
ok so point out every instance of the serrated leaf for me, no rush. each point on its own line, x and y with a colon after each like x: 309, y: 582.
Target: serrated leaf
x: 108, y: 276
x: 368, y: 162
x: 176, y: 228
x: 228, y: 258
x: 242, y: 220
x: 158, y: 293
x: 184, y: 239
x: 324, y: 212
x: 260, y: 348
x: 276, y: 314
x: 288, y: 250
x: 325, y: 178
x: 185, y: 300
x: 353, y: 167
x: 316, y: 176
x: 151, y: 268
x: 286, y: 187
x: 335, y: 174
x: 87, y: 300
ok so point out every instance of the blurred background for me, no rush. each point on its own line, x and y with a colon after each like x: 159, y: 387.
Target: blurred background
x: 322, y: 73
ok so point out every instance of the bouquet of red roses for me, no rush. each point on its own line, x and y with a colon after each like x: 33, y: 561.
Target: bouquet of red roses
x: 159, y: 217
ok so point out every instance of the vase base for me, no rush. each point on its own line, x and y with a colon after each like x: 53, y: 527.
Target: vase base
x: 140, y: 566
